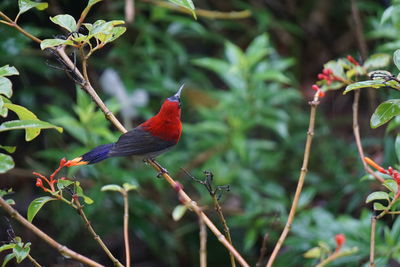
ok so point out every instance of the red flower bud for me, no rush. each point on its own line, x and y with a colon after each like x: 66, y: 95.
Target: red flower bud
x: 340, y: 239
x: 321, y: 76
x: 62, y: 162
x: 375, y: 165
x: 178, y: 186
x: 39, y: 182
x: 352, y: 60
x: 315, y: 87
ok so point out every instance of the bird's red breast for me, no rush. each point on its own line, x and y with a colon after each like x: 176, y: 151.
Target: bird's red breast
x: 167, y: 123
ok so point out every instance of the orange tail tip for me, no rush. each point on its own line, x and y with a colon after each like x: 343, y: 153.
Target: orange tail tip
x: 75, y: 162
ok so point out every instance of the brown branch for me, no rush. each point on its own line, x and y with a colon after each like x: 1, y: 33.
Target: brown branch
x: 356, y: 131
x: 63, y: 250
x: 203, y: 243
x: 94, y: 234
x: 335, y: 255
x: 218, y: 209
x: 129, y: 10
x: 310, y: 133
x: 185, y: 199
x: 126, y: 225
x: 202, y: 12
x: 18, y: 28
x: 372, y: 243
x: 263, y: 250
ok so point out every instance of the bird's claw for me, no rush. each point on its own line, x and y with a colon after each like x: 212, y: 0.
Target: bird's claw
x: 162, y: 171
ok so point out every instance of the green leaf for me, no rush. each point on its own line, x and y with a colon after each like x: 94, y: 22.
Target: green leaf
x: 3, y: 110
x: 129, y: 187
x: 313, y: 253
x: 385, y: 112
x: 111, y: 187
x: 396, y: 58
x: 379, y: 206
x: 365, y: 84
x: 377, y: 61
x: 7, y: 259
x: 9, y: 149
x: 7, y: 246
x: 21, y: 252
x: 391, y: 185
x: 25, y: 5
x: 46, y: 43
x: 79, y: 192
x: 188, y: 4
x: 178, y: 212
x: 10, y: 201
x: 61, y: 184
x: 8, y: 71
x: 6, y: 163
x: 36, y: 205
x: 387, y: 14
x: 27, y: 124
x: 24, y: 114
x: 377, y: 196
x: 5, y: 87
x: 66, y: 21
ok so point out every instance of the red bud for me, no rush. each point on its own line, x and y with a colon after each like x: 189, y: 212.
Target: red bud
x: 62, y: 162
x: 340, y: 239
x: 39, y: 182
x: 178, y: 186
x: 321, y: 76
x: 321, y: 94
x: 352, y: 60
x: 315, y: 87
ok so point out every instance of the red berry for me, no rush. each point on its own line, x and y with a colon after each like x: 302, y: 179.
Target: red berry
x: 321, y: 76
x: 321, y: 94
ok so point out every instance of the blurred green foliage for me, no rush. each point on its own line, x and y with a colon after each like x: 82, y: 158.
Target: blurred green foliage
x: 245, y: 119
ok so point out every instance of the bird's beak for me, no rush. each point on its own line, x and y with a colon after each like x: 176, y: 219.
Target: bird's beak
x: 178, y: 94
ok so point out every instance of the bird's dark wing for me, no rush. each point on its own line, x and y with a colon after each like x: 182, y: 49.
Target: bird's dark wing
x: 138, y: 142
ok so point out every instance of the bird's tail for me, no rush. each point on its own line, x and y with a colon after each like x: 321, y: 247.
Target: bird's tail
x: 95, y: 155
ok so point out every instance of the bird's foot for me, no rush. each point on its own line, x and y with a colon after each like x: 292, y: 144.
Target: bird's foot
x: 162, y: 170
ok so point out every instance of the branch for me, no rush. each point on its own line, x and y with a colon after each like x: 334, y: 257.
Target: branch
x: 33, y: 261
x: 372, y: 242
x: 126, y: 225
x: 203, y: 243
x: 94, y: 234
x: 310, y: 133
x: 202, y: 12
x: 11, y: 23
x: 356, y: 131
x: 263, y: 250
x: 336, y: 255
x: 186, y: 200
x: 63, y: 250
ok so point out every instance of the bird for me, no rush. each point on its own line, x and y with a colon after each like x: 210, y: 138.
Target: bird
x: 148, y: 140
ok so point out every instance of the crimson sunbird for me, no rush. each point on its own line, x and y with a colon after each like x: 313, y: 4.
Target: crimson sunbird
x: 148, y: 140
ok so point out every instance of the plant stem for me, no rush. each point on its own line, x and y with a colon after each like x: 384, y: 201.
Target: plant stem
x: 129, y: 10
x: 63, y: 250
x: 335, y: 255
x: 186, y: 200
x: 218, y: 209
x: 33, y: 261
x: 203, y: 243
x: 263, y: 250
x: 310, y: 133
x: 14, y: 25
x: 202, y: 12
x: 372, y: 242
x: 95, y: 235
x: 356, y: 132
x: 126, y: 225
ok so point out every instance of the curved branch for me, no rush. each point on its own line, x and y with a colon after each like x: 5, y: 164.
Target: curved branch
x: 63, y: 250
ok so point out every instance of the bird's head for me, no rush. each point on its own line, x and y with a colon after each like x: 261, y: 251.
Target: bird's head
x: 172, y: 105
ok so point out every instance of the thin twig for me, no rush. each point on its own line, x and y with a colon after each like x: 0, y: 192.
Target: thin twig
x: 310, y: 133
x: 263, y: 250
x: 335, y: 255
x: 203, y: 243
x: 202, y: 12
x: 372, y: 242
x: 356, y: 131
x: 14, y: 25
x: 126, y: 229
x: 94, y: 234
x: 63, y: 250
x: 218, y: 209
x: 33, y: 261
x: 185, y: 199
